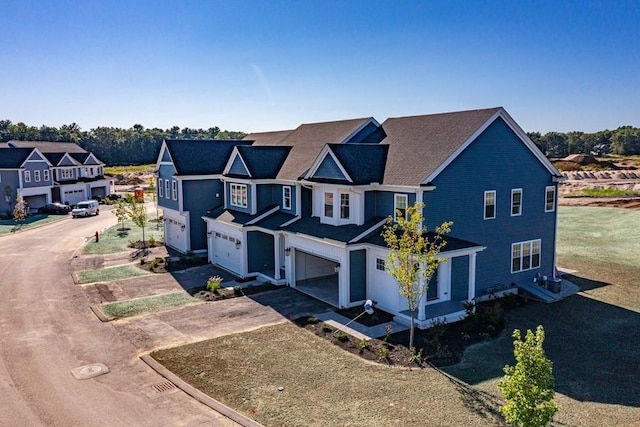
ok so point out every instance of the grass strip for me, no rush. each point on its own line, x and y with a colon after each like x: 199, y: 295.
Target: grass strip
x: 603, y: 192
x: 115, y: 239
x: 11, y: 225
x: 111, y: 273
x: 147, y: 304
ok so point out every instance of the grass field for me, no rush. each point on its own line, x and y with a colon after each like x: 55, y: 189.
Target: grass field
x: 110, y: 273
x: 146, y: 305
x: 11, y: 226
x: 591, y: 338
x: 602, y: 192
x: 115, y: 240
x: 116, y: 170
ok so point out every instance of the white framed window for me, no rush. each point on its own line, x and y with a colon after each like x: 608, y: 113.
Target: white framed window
x: 490, y: 204
x: 550, y: 199
x: 400, y: 202
x: 328, y: 205
x: 239, y: 195
x: 160, y: 188
x: 174, y: 189
x: 45, y: 175
x: 166, y: 189
x: 525, y: 256
x: 344, y: 206
x: 516, y: 202
x: 286, y: 197
x: 36, y: 176
x: 66, y: 173
x: 27, y: 176
x: 381, y: 264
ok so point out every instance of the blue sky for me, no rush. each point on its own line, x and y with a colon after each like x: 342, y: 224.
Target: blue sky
x: 269, y: 65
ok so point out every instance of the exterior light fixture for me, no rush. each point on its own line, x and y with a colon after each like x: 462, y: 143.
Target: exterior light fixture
x: 287, y: 251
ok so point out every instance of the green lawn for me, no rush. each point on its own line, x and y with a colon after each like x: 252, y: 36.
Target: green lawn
x: 591, y: 338
x: 11, y: 226
x: 110, y: 273
x: 144, y: 305
x: 115, y: 240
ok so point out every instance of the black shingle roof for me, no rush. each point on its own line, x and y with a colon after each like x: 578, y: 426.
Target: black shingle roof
x: 81, y: 157
x: 235, y: 217
x: 54, y: 158
x: 201, y: 156
x: 453, y: 243
x: 275, y: 220
x: 344, y: 233
x: 49, y: 146
x: 13, y: 158
x: 363, y: 162
x: 263, y: 161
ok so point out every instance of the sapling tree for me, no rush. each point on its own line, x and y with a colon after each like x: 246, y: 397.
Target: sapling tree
x: 528, y: 386
x: 20, y: 209
x: 413, y: 256
x: 121, y: 211
x: 138, y: 214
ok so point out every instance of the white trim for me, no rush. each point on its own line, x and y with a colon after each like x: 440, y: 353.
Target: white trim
x: 522, y: 244
x: 514, y: 127
x: 174, y: 189
x: 235, y: 153
x: 238, y: 187
x: 167, y: 188
x: 160, y: 184
x: 164, y: 148
x: 368, y: 231
x: 395, y: 209
x: 264, y: 215
x: 323, y: 154
x: 495, y: 205
x: 546, y: 190
x: 515, y: 191
x: 359, y: 128
x: 27, y: 176
x: 284, y: 197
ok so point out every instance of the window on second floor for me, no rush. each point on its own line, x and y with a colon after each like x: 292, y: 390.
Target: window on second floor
x: 45, y: 175
x: 66, y: 173
x: 344, y: 206
x: 36, y: 176
x: 174, y: 189
x: 550, y: 199
x: 160, y: 188
x: 27, y: 176
x: 516, y: 202
x: 239, y: 195
x: 400, y: 202
x: 489, y: 204
x: 328, y: 205
x: 286, y: 197
x: 166, y: 189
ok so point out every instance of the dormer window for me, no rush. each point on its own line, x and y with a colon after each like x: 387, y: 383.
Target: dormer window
x: 286, y: 197
x: 400, y: 202
x: 239, y: 195
x: 328, y: 205
x: 344, y: 206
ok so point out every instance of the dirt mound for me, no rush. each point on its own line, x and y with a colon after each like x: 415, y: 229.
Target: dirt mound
x: 581, y: 159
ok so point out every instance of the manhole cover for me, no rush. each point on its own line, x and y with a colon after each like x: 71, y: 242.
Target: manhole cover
x: 165, y: 386
x: 89, y: 371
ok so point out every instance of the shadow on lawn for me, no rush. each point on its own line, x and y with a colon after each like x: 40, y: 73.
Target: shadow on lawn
x: 594, y: 346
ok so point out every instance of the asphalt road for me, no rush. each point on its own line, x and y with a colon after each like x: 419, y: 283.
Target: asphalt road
x: 47, y: 329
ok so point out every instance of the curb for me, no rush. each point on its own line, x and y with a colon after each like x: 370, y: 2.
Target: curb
x: 100, y: 314
x: 198, y: 395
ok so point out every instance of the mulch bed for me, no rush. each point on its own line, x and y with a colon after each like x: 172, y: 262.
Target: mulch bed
x: 441, y: 345
x: 232, y: 292
x: 160, y: 265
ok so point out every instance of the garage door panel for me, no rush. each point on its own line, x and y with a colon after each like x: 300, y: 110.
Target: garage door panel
x: 226, y: 253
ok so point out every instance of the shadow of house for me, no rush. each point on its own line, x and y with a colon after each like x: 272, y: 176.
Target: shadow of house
x: 291, y: 303
x: 594, y: 347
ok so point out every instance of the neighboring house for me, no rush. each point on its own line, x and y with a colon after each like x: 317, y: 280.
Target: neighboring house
x: 24, y: 171
x: 189, y: 183
x: 77, y: 174
x: 306, y: 207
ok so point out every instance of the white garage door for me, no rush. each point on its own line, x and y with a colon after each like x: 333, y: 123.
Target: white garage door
x: 226, y: 254
x: 175, y: 235
x: 73, y: 197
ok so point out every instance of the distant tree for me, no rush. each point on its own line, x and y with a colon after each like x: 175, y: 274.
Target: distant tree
x: 556, y: 144
x: 575, y: 142
x: 528, y: 386
x: 413, y: 258
x: 626, y: 140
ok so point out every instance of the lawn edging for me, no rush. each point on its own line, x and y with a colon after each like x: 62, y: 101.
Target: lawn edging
x: 198, y: 395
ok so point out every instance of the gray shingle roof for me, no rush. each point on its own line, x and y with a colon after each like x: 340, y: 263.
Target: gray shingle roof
x: 307, y: 141
x: 267, y: 138
x: 201, y: 156
x: 418, y: 145
x: 49, y: 146
x: 13, y: 158
x: 263, y: 162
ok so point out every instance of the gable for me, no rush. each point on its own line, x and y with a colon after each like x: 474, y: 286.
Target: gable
x: 35, y: 157
x: 166, y: 158
x: 329, y: 169
x: 66, y: 161
x: 237, y: 167
x: 92, y: 161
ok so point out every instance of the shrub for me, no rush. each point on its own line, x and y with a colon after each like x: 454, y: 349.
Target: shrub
x: 341, y: 336
x: 326, y: 328
x: 382, y: 352
x: 312, y: 320
x: 152, y: 241
x: 363, y: 344
x: 213, y: 283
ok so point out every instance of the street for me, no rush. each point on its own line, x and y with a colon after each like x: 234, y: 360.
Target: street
x: 47, y: 329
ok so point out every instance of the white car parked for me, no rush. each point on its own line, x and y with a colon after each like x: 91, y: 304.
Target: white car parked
x: 86, y: 208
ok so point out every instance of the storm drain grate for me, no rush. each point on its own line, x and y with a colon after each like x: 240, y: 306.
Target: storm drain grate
x: 165, y: 386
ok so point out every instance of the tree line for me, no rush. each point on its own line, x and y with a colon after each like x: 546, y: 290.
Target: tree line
x: 114, y: 146
x: 625, y: 141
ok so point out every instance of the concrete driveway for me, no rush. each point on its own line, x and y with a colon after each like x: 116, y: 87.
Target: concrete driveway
x: 48, y: 330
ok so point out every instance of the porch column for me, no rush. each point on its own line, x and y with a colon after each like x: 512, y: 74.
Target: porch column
x: 472, y: 276
x: 422, y: 312
x: 290, y: 272
x: 276, y: 251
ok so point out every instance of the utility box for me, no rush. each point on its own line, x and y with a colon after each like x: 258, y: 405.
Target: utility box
x: 555, y: 285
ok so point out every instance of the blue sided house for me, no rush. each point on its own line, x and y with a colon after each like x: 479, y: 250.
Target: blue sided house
x: 306, y: 207
x: 27, y: 172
